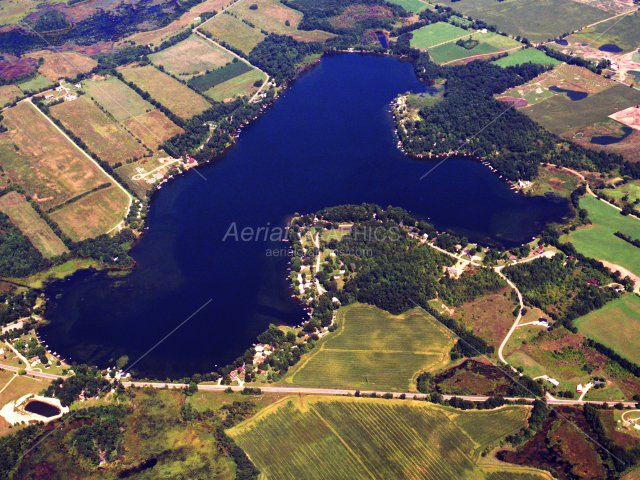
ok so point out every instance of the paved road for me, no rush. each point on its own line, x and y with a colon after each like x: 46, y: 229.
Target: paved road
x: 11, y: 368
x: 336, y: 391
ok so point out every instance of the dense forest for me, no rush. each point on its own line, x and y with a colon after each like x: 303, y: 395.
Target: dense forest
x: 18, y: 256
x: 278, y: 55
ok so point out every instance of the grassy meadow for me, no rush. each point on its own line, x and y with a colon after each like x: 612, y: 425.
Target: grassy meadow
x: 35, y: 84
x: 622, y: 32
x: 414, y: 6
x: 58, y: 66
x: 178, y: 98
x: 271, y: 15
x: 435, y: 34
x: 85, y: 119
x: 374, y: 350
x: 559, y: 114
x: 240, y: 85
x: 8, y: 93
x: 598, y: 241
x: 450, y: 52
x: 31, y: 224
x: 152, y: 128
x: 525, y: 56
x: 334, y: 437
x: 117, y: 98
x: 615, y: 325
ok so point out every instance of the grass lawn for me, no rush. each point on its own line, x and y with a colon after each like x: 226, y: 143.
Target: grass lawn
x: 525, y: 56
x: 615, y: 325
x: 8, y: 93
x: 450, y: 51
x: 35, y: 84
x: 117, y: 98
x: 536, y: 20
x: 333, y: 437
x: 178, y: 98
x: 374, y: 350
x: 234, y: 32
x: 414, y: 6
x: 191, y: 57
x: 598, y: 241
x: 270, y: 15
x: 31, y: 224
x: 93, y: 215
x: 85, y: 119
x: 632, y: 189
x: 435, y: 34
x: 501, y: 42
x: 58, y: 272
x: 49, y: 167
x: 240, y: 85
x: 559, y: 114
x: 152, y: 128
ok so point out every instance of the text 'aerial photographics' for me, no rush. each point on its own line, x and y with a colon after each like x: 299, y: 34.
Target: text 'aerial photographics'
x: 320, y: 239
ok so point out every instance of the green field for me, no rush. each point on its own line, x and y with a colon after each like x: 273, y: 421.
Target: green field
x: 234, y: 32
x: 598, y: 240
x: 191, y: 57
x: 85, y: 119
x: 240, y: 85
x: 536, y: 20
x: 620, y: 31
x: 414, y: 6
x: 559, y: 114
x: 178, y: 98
x: 374, y: 350
x: 31, y: 224
x: 525, y: 56
x: 501, y: 42
x: 35, y: 84
x: 219, y: 75
x: 435, y: 34
x: 450, y: 51
x: 632, y: 189
x: 332, y: 437
x: 117, y: 98
x: 616, y: 326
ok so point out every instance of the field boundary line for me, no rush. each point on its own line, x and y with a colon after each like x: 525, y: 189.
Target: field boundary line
x: 129, y: 197
x: 448, y: 41
x: 379, y: 351
x: 13, y: 377
x: 356, y: 457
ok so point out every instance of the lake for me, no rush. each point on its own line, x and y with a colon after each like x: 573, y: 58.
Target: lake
x: 328, y: 140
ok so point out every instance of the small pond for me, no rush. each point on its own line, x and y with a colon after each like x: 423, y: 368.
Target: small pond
x: 635, y: 74
x: 382, y: 39
x: 611, y: 48
x: 574, y: 95
x: 42, y: 408
x: 562, y: 42
x: 609, y: 139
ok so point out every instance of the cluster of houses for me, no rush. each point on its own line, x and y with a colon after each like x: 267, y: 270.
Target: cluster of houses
x: 262, y: 353
x: 69, y: 96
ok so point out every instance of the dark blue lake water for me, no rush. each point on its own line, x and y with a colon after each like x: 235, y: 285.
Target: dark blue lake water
x: 610, y: 48
x: 574, y: 95
x: 609, y: 139
x: 328, y: 140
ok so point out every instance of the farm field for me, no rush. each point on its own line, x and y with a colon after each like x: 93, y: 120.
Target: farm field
x: 414, y: 6
x: 240, y: 85
x: 93, y: 215
x: 270, y: 15
x: 97, y: 130
x: 220, y: 75
x: 152, y: 128
x: 156, y: 37
x: 49, y: 167
x: 615, y: 325
x: 232, y: 31
x: 332, y: 437
x: 117, y: 98
x: 624, y: 35
x: 525, y: 56
x: 598, y: 241
x: 178, y: 98
x: 8, y: 93
x: 536, y: 20
x: 35, y: 84
x: 31, y: 224
x: 68, y: 64
x: 374, y: 350
x: 558, y: 114
x: 435, y: 34
x: 450, y: 52
x: 191, y: 57
x: 498, y: 41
